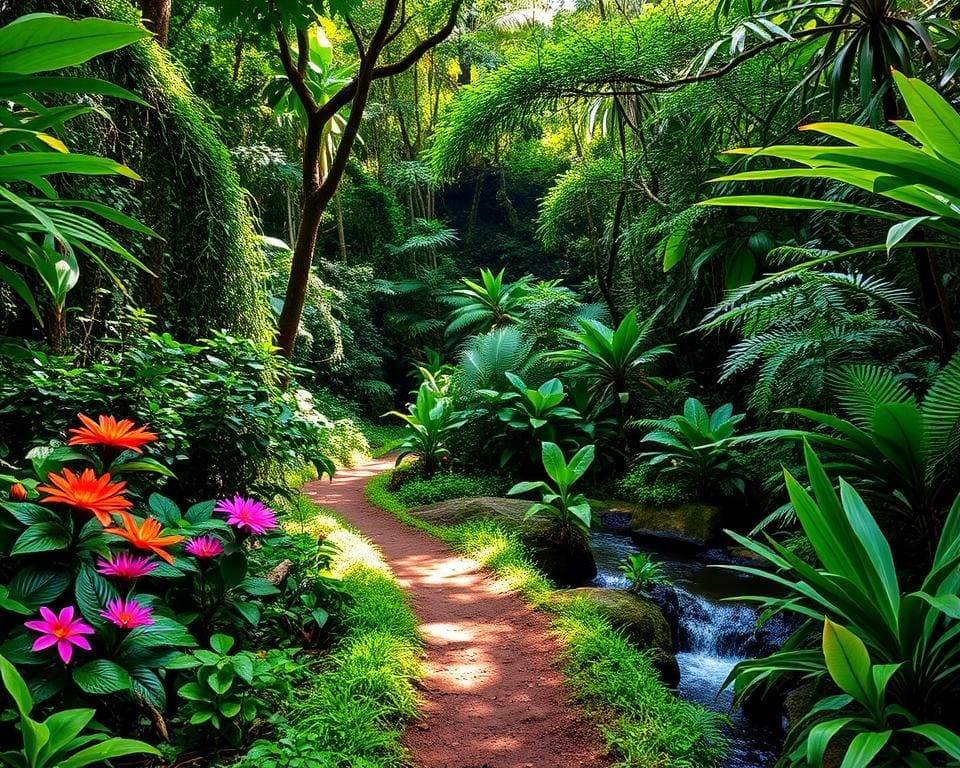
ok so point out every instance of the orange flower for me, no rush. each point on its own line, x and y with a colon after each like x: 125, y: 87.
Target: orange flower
x: 109, y: 431
x: 146, y: 536
x: 18, y: 492
x: 86, y: 491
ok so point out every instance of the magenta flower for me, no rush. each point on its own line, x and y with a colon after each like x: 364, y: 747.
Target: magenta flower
x: 248, y: 514
x: 63, y: 631
x: 204, y: 547
x: 126, y: 566
x: 128, y: 613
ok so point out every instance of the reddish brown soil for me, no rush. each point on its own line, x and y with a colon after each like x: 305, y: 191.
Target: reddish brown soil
x: 492, y: 695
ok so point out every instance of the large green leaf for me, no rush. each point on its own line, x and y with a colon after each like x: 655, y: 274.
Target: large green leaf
x: 44, y: 42
x: 101, y: 676
x: 848, y: 662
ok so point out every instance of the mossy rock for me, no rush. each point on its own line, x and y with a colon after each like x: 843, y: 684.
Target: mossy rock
x: 640, y: 619
x: 689, y: 525
x: 564, y: 560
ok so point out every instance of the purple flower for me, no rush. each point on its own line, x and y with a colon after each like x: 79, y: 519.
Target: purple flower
x: 248, y: 514
x: 128, y: 613
x: 126, y: 566
x: 204, y: 547
x: 63, y: 631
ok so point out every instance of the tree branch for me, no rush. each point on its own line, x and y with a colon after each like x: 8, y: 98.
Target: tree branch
x: 303, y: 52
x: 292, y: 71
x: 361, y: 50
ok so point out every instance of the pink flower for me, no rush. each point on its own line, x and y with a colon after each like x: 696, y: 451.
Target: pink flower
x: 126, y: 566
x: 204, y: 547
x: 248, y: 514
x: 62, y: 631
x: 128, y: 613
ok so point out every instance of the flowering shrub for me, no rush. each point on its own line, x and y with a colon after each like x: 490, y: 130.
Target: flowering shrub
x: 102, y: 587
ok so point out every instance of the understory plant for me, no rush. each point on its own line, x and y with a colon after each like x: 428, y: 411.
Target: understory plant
x: 217, y: 407
x: 893, y: 653
x: 106, y: 582
x: 43, y: 233
x: 612, y: 361
x: 570, y: 511
x: 529, y: 417
x: 431, y: 419
x: 486, y: 306
x: 642, y: 572
x: 696, y: 446
x: 64, y: 739
x: 901, y: 451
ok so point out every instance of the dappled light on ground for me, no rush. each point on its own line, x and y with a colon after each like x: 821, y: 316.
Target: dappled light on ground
x: 491, y: 695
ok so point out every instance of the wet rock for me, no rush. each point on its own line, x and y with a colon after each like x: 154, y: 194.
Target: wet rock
x: 640, y: 619
x: 564, y: 559
x: 690, y: 526
x: 772, y: 635
x: 664, y: 596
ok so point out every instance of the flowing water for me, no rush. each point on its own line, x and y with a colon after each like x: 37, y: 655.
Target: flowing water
x: 712, y: 636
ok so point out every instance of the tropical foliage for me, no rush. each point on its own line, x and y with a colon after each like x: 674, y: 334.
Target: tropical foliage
x: 892, y: 652
x: 697, y: 446
x: 587, y: 230
x: 569, y: 510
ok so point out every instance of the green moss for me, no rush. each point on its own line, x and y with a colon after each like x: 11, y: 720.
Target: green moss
x: 444, y: 486
x: 698, y: 523
x: 213, y: 267
x: 643, y: 485
x: 645, y: 725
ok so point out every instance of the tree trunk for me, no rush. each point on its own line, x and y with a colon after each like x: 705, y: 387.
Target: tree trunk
x: 156, y: 18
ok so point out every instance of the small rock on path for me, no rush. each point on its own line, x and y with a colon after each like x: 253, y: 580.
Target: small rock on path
x: 492, y: 695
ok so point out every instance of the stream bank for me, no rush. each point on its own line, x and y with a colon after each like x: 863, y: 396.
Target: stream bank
x: 712, y: 635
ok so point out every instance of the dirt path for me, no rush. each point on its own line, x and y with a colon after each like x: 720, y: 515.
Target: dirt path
x: 492, y: 696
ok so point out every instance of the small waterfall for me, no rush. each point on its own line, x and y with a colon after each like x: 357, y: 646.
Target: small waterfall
x: 722, y: 630
x: 712, y: 636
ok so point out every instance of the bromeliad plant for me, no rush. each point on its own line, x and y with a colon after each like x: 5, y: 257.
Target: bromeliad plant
x: 696, y: 445
x: 570, y: 511
x: 895, y: 655
x: 613, y: 362
x: 486, y: 306
x: 432, y: 418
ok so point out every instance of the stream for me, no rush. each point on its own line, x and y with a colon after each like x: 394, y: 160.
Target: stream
x: 713, y: 636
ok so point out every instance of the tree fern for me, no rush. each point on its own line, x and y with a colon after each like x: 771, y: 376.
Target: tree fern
x: 799, y: 326
x: 485, y: 360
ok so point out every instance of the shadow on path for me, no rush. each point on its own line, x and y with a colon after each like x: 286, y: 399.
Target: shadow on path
x: 492, y: 697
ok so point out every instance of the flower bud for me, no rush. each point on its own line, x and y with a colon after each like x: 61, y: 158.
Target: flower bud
x: 18, y: 492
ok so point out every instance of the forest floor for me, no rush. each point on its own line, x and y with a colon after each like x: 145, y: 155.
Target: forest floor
x: 492, y: 696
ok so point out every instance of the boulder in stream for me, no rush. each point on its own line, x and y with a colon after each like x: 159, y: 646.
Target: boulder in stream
x: 640, y: 619
x: 565, y: 562
x: 689, y: 526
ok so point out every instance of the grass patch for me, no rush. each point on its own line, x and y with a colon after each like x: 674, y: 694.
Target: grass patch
x: 362, y: 693
x: 418, y: 491
x: 645, y: 725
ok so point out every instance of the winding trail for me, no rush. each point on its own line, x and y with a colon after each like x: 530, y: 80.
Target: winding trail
x: 492, y: 696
